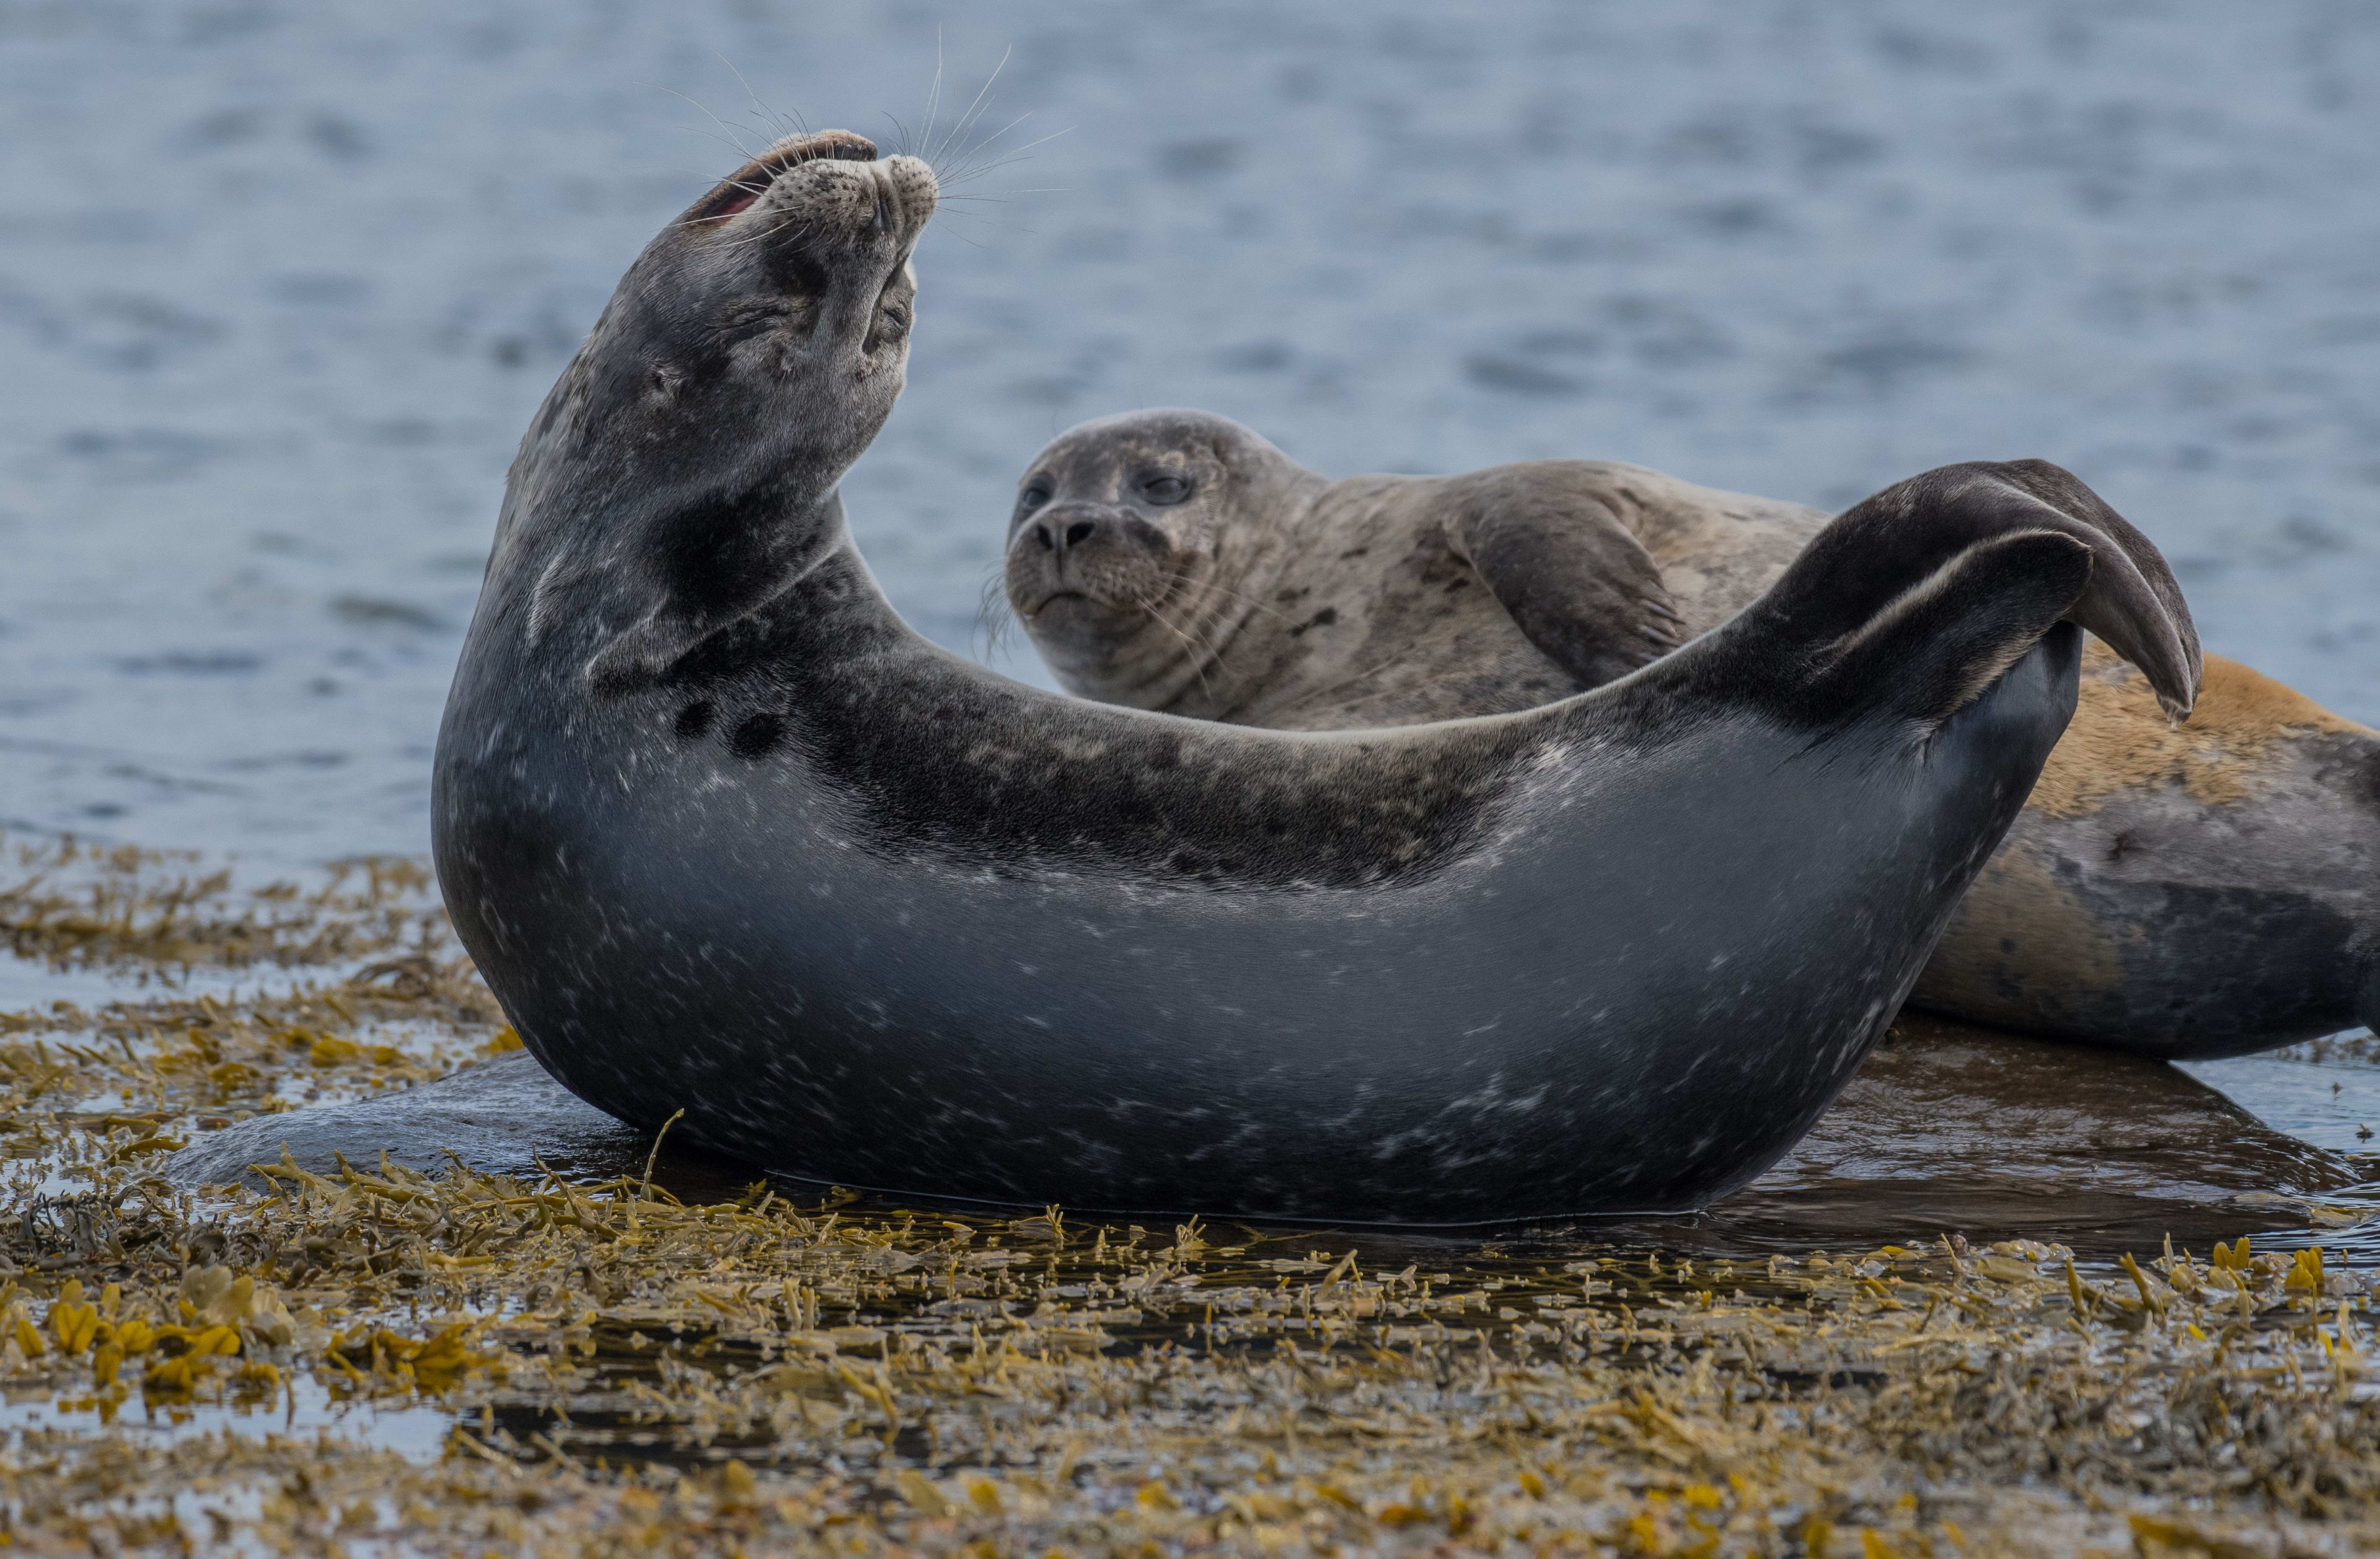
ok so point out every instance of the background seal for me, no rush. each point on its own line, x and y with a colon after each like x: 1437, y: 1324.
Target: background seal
x: 2177, y: 891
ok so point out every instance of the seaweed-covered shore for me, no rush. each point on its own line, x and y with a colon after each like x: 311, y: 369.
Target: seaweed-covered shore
x: 665, y: 1359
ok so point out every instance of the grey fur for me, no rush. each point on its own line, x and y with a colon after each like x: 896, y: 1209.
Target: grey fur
x: 723, y: 833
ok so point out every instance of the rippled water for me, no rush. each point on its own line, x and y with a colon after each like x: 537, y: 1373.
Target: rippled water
x: 280, y: 285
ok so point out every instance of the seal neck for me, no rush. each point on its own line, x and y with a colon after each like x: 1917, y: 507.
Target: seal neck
x: 621, y: 593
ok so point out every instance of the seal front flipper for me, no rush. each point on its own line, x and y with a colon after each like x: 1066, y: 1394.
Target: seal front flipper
x: 1915, y: 599
x: 1578, y: 584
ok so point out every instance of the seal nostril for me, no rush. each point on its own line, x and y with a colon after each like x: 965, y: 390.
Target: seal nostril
x: 1079, y: 533
x: 1041, y: 534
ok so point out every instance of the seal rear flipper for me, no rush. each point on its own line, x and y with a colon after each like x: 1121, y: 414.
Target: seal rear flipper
x: 2134, y: 602
x: 1870, y: 554
x: 1577, y: 583
x: 1937, y: 645
x: 1917, y: 597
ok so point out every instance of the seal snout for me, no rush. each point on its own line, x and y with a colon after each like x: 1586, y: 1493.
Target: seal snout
x: 833, y: 182
x: 1097, y: 556
x: 1061, y: 526
x: 741, y: 188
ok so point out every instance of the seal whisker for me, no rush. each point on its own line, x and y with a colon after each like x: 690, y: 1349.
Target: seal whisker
x: 733, y: 139
x: 994, y: 615
x: 958, y: 160
x: 1204, y: 647
x: 974, y: 109
x: 1198, y: 650
x: 964, y: 173
x: 787, y: 122
x: 933, y: 103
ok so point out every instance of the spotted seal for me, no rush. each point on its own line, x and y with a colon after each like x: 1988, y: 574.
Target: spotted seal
x: 725, y: 835
x: 2192, y: 890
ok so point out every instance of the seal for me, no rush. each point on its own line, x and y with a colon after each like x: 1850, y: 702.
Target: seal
x: 725, y: 836
x: 2176, y: 891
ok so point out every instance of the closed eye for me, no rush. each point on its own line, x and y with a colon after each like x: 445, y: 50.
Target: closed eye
x: 1164, y: 488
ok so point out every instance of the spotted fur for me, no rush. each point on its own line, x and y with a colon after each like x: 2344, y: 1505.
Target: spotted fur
x: 724, y: 834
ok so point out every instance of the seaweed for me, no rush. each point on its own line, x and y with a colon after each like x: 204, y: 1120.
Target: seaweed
x: 607, y: 1368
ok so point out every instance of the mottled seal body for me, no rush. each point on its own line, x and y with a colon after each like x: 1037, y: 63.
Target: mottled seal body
x: 1266, y: 595
x: 724, y: 834
x: 2191, y: 889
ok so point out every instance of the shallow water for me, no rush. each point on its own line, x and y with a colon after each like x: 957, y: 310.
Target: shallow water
x: 2330, y: 1100
x: 281, y: 285
x: 304, y: 1407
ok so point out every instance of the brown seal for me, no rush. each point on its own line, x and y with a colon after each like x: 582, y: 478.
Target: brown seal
x: 2178, y: 890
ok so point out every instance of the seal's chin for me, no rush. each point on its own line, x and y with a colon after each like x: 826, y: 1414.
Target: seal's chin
x: 748, y: 184
x: 1060, y: 609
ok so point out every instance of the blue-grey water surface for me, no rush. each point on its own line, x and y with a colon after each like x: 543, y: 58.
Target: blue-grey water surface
x: 280, y: 284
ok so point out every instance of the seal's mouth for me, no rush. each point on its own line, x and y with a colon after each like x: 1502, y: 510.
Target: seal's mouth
x: 1063, y: 599
x: 741, y: 188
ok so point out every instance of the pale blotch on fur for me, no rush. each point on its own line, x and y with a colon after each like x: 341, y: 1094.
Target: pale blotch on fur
x: 2119, y: 739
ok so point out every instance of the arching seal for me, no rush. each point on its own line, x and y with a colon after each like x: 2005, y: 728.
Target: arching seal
x: 724, y: 834
x: 2177, y: 891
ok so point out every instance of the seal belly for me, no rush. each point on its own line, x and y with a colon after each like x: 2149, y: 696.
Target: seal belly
x: 1564, y: 1014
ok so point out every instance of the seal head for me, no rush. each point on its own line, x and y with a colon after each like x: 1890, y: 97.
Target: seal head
x: 1127, y: 560
x: 753, y: 349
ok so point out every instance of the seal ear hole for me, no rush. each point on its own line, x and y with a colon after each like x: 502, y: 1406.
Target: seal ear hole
x: 758, y: 735
x: 695, y: 719
x: 739, y: 202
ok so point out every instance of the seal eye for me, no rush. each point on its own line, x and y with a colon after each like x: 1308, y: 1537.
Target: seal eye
x: 1164, y: 489
x: 1032, y: 498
